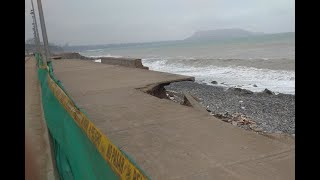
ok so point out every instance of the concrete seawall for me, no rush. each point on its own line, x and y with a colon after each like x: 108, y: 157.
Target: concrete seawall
x: 127, y: 62
x: 71, y: 55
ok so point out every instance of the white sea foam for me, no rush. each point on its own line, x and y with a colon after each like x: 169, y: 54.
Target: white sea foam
x: 279, y: 81
x: 94, y: 50
x: 93, y: 54
x: 253, y: 65
x: 108, y: 55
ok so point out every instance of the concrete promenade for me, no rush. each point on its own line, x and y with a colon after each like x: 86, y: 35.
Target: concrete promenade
x: 168, y: 140
x: 35, y: 125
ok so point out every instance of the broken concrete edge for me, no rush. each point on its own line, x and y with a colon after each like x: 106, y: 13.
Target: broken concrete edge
x: 158, y: 90
x: 281, y: 137
x: 244, y: 120
x: 189, y: 100
x: 52, y: 172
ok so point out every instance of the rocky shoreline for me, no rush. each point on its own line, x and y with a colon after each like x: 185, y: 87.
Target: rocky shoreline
x: 262, y: 112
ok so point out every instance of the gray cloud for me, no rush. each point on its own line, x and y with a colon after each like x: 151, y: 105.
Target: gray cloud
x: 120, y: 21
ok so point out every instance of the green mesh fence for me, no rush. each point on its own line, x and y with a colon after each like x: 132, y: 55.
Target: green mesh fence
x: 76, y: 157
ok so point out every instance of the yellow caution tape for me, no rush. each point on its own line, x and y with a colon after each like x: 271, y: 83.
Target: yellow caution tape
x: 111, y: 153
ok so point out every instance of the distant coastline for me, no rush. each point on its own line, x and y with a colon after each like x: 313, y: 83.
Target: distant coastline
x: 211, y: 35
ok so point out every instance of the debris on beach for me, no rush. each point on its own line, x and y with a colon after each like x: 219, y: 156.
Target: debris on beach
x: 238, y: 119
x: 174, y: 96
x: 269, y: 113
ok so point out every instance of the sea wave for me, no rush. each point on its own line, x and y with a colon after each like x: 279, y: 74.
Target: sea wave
x: 252, y: 78
x: 107, y: 55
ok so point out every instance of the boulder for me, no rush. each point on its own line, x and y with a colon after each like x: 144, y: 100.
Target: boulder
x: 240, y: 91
x: 267, y: 91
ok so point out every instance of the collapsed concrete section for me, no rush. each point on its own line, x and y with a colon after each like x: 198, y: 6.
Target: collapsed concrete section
x: 189, y: 100
x: 158, y: 90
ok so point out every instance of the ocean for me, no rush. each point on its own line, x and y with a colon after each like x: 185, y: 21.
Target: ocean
x: 253, y: 63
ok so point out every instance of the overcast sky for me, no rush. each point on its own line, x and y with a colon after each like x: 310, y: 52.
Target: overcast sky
x: 120, y: 21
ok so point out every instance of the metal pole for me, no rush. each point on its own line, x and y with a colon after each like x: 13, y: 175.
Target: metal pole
x: 36, y: 29
x: 36, y: 40
x: 44, y: 32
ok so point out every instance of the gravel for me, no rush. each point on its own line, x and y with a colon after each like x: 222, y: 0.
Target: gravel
x: 272, y: 113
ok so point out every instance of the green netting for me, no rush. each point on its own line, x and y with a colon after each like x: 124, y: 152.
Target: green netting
x: 75, y: 155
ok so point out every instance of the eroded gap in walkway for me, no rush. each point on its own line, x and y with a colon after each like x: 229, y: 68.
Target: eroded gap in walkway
x: 237, y: 119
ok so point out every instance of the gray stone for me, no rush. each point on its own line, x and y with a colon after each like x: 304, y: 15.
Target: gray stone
x: 267, y: 91
x: 240, y: 91
x: 270, y: 112
x: 253, y: 126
